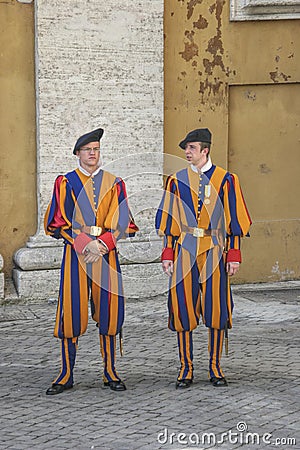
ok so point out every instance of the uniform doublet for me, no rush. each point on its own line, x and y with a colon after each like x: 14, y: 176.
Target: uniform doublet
x: 80, y: 202
x: 202, y: 218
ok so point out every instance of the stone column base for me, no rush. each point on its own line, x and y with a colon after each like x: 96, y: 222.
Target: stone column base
x: 140, y: 280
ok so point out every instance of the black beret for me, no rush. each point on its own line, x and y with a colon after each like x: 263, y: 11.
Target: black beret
x: 92, y: 136
x: 200, y: 135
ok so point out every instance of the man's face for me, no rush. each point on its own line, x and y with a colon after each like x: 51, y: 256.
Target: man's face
x: 89, y: 155
x: 195, y: 155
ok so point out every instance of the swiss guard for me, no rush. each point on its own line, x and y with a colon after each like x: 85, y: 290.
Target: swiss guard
x: 202, y: 218
x: 89, y: 211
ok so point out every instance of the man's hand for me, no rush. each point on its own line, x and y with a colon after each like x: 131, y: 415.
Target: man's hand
x: 232, y: 268
x: 103, y: 249
x: 168, y: 267
x: 93, y: 251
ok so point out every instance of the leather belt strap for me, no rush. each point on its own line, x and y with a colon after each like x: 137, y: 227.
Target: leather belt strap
x: 200, y: 232
x: 93, y: 230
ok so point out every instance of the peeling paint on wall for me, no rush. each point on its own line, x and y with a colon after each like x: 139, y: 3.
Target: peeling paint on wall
x: 190, y: 48
x: 278, y: 77
x: 191, y: 6
x: 283, y: 274
x: 263, y: 168
x: 250, y: 95
x: 211, y: 84
x: 201, y: 23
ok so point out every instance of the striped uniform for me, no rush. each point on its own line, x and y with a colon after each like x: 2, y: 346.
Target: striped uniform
x: 79, y: 200
x: 212, y: 201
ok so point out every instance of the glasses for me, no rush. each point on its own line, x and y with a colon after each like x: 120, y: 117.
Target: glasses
x: 90, y: 149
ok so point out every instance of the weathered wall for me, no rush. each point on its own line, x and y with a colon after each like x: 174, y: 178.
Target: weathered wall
x: 17, y: 129
x: 99, y: 64
x: 240, y: 80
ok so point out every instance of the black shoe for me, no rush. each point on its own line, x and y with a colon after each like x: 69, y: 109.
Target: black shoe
x: 115, y: 385
x: 218, y: 382
x: 57, y: 389
x: 183, y: 384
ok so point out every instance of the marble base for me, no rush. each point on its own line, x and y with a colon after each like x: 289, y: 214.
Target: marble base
x: 140, y: 281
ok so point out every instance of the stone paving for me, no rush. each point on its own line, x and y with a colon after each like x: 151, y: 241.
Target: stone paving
x: 259, y: 409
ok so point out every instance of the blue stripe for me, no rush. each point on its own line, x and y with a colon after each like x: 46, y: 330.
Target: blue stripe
x: 121, y: 308
x: 61, y: 294
x: 185, y: 194
x: 83, y: 202
x: 104, y: 297
x: 234, y: 225
x: 195, y: 282
x: 75, y: 294
x: 183, y: 313
x: 124, y: 218
x: 209, y: 290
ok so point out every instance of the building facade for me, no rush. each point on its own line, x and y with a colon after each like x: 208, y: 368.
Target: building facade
x: 148, y: 72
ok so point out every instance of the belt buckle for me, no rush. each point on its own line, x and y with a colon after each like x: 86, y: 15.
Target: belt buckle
x: 198, y: 232
x: 95, y: 231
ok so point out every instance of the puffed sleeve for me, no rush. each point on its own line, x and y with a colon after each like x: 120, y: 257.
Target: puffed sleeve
x: 167, y: 219
x: 237, y: 217
x: 59, y: 215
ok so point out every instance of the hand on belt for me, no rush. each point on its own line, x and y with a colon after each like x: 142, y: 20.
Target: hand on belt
x: 200, y: 232
x: 93, y: 230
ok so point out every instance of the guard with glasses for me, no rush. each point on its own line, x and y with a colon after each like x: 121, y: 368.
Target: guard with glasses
x: 89, y: 211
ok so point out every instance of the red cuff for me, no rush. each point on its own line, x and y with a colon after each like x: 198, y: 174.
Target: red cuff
x: 167, y: 254
x: 234, y: 255
x: 108, y: 239
x: 80, y: 242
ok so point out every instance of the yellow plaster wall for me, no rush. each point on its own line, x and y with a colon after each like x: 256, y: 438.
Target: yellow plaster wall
x: 240, y: 79
x: 17, y: 129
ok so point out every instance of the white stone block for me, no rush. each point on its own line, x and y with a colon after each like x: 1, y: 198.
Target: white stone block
x: 36, y: 284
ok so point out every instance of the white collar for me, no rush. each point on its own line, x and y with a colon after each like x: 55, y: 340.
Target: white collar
x: 204, y: 168
x: 85, y: 172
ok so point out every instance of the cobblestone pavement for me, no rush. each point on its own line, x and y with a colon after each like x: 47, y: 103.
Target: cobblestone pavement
x: 259, y: 409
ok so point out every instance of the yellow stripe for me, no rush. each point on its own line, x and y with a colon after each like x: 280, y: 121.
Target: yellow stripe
x: 181, y: 352
x: 188, y: 289
x: 65, y: 379
x: 221, y: 334
x: 202, y: 270
x: 229, y: 307
x: 109, y: 353
x: 167, y: 210
x: 58, y: 312
x: 96, y: 279
x: 177, y: 322
x: 241, y: 209
x: 214, y: 353
x: 101, y: 345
